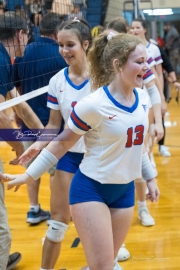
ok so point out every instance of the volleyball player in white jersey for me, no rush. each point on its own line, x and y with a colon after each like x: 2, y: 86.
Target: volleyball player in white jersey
x: 117, y: 25
x: 139, y: 28
x: 66, y: 88
x: 114, y: 122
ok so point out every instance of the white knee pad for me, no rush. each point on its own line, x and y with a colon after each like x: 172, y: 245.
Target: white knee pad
x: 56, y: 231
x: 139, y: 180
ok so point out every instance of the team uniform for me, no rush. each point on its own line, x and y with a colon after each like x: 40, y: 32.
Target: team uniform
x: 149, y: 76
x: 63, y: 95
x: 154, y: 51
x: 114, y: 137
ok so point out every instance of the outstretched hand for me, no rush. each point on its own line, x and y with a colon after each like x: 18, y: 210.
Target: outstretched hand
x: 29, y: 154
x: 15, y: 180
x: 153, y: 190
x: 19, y: 151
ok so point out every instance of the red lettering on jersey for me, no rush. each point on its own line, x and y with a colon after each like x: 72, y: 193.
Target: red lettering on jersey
x: 129, y: 137
x: 139, y: 130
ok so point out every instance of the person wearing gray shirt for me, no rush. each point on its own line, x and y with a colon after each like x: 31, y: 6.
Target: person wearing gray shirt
x: 172, y: 44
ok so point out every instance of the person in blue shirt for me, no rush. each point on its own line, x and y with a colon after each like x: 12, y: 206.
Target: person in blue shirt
x: 40, y: 62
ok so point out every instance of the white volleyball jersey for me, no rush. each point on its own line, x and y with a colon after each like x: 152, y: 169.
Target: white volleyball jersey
x: 154, y: 51
x: 63, y: 95
x: 114, y: 135
x: 150, y: 60
x: 149, y: 76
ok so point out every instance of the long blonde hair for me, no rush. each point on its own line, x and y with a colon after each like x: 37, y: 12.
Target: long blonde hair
x: 102, y: 54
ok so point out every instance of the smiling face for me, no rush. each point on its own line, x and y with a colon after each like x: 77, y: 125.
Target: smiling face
x: 70, y: 47
x: 136, y: 66
x: 137, y: 29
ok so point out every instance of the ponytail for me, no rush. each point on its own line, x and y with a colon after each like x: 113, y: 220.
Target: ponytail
x: 96, y: 62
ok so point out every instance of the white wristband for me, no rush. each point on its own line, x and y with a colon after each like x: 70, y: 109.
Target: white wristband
x: 147, y: 169
x: 44, y: 161
x: 154, y: 94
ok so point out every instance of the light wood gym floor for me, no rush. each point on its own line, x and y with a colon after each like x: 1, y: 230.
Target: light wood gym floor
x: 151, y: 248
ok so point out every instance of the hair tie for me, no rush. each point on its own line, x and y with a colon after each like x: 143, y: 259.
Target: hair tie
x: 110, y: 35
x: 76, y: 20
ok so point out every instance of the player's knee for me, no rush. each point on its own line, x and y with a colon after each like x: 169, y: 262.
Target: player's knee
x: 56, y: 231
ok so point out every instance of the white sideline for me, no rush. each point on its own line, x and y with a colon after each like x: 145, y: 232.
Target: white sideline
x: 14, y: 101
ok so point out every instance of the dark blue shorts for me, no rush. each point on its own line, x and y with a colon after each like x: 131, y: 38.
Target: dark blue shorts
x: 70, y: 162
x: 85, y: 189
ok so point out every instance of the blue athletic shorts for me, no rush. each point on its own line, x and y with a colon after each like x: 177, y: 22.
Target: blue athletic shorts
x: 85, y: 189
x: 70, y: 162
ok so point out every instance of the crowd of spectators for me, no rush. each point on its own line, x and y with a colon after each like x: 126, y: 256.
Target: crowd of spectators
x: 34, y: 10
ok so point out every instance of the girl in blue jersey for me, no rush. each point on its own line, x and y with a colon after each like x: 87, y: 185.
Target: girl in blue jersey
x: 114, y: 122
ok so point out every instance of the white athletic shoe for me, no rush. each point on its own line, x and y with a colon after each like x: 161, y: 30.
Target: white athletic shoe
x: 123, y: 254
x: 144, y: 216
x: 163, y: 151
x: 117, y: 267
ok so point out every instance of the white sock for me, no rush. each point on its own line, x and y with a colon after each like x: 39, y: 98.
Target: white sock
x: 141, y: 204
x: 35, y: 208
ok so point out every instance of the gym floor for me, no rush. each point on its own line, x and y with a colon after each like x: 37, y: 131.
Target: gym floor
x: 151, y: 248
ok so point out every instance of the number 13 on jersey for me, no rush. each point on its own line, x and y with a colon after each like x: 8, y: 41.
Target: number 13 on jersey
x: 139, y: 131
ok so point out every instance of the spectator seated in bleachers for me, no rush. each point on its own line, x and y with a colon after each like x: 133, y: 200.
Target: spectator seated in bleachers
x: 76, y: 13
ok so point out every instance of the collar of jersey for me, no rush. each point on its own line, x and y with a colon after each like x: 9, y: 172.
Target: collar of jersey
x: 148, y: 45
x: 77, y: 87
x: 117, y: 104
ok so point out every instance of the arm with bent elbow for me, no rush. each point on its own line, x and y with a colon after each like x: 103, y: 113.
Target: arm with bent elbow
x: 25, y: 112
x: 160, y: 85
x: 48, y: 157
x: 5, y: 123
x: 156, y: 105
x: 53, y: 125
